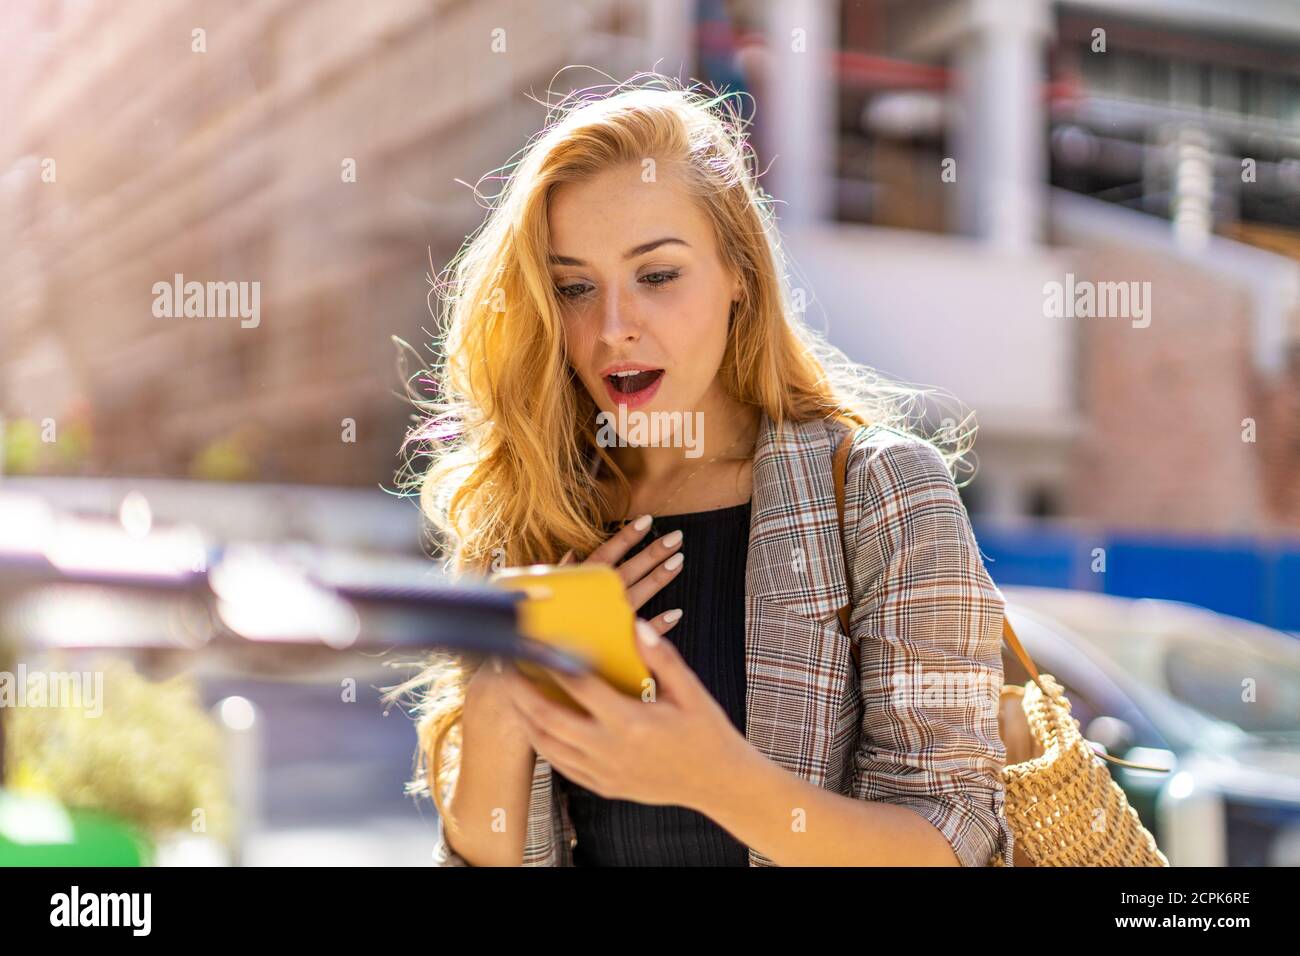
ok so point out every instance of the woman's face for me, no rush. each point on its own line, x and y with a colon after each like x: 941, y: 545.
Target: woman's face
x: 645, y: 296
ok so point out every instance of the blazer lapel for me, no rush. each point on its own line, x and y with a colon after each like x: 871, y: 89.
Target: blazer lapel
x: 795, y: 655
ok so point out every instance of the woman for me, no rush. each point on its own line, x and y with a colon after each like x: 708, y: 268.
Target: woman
x: 629, y: 274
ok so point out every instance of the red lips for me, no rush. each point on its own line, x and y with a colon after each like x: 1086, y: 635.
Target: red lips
x: 632, y: 384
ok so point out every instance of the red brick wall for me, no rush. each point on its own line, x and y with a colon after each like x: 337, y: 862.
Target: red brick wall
x: 1164, y: 406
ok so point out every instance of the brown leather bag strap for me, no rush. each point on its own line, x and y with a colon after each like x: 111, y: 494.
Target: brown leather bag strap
x: 1022, y: 655
x: 840, y: 468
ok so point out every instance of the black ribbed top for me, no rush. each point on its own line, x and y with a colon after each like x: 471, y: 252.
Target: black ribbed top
x: 710, y: 590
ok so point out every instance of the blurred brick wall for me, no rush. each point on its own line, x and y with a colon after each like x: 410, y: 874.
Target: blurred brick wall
x: 226, y: 165
x: 1164, y: 407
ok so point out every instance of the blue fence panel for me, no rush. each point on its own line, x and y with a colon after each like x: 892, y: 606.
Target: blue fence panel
x: 1226, y: 575
x: 1043, y: 557
x: 1245, y: 577
x: 1284, y: 586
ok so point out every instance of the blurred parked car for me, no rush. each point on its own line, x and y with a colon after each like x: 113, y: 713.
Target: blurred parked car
x: 1214, y: 698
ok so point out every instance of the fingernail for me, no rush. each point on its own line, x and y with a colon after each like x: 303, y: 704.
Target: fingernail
x: 642, y: 522
x: 496, y: 664
x: 672, y: 540
x: 675, y: 562
x: 646, y: 634
x: 672, y: 617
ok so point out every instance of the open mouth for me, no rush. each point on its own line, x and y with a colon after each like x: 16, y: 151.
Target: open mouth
x: 629, y: 383
x: 633, y: 386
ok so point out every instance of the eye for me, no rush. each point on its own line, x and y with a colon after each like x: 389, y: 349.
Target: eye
x: 655, y: 279
x: 574, y: 290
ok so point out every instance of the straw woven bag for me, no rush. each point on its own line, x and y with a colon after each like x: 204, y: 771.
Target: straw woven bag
x: 1063, y: 806
x: 1061, y: 803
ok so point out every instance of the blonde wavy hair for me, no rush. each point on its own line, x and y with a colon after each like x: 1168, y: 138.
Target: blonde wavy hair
x: 509, y: 436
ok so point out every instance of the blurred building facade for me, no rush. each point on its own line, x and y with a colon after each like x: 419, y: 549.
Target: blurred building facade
x: 940, y: 163
x: 980, y: 152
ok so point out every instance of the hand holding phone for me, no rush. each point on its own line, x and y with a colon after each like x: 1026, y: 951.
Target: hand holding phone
x: 582, y: 611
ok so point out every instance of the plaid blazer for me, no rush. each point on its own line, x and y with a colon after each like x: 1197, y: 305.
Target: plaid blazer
x: 904, y: 708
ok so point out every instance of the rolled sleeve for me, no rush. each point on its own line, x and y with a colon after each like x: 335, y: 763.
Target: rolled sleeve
x: 928, y: 621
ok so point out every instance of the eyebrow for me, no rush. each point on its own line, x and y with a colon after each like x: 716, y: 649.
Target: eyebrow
x: 630, y: 254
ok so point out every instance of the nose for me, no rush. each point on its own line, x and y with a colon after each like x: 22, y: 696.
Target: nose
x: 619, y: 323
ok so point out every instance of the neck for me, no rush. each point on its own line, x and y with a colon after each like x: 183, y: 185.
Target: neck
x: 726, y: 429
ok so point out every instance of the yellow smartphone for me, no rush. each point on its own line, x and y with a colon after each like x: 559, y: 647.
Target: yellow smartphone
x: 582, y: 610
